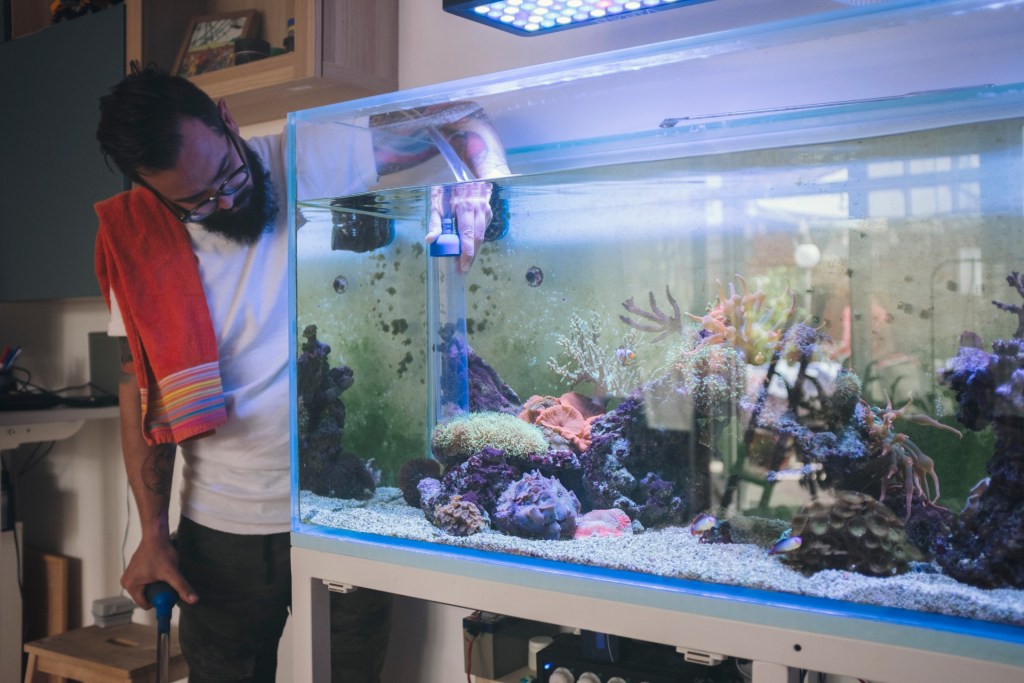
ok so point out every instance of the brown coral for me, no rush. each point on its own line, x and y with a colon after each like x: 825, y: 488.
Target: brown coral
x: 855, y: 533
x: 460, y: 517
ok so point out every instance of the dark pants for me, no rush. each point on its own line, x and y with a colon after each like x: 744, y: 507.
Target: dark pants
x: 244, y: 588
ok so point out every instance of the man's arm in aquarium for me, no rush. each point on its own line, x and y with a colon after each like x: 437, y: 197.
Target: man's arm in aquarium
x: 404, y: 139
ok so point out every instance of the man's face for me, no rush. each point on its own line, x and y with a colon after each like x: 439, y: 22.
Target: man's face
x: 206, y: 159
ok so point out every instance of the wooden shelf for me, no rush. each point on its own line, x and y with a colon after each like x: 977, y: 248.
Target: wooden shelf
x: 344, y: 49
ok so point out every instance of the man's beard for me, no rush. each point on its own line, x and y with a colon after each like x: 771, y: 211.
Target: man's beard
x: 254, y: 209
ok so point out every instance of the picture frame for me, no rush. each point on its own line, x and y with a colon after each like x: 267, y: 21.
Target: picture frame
x: 209, y: 41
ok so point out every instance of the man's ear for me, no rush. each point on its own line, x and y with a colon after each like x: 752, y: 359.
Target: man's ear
x: 225, y: 114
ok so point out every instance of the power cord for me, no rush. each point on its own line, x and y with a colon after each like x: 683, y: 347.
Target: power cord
x: 30, y: 396
x: 471, y: 630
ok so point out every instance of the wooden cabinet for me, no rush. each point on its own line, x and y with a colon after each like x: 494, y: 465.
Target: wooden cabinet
x: 344, y: 49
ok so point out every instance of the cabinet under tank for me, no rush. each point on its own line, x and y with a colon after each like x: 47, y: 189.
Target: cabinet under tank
x: 780, y: 348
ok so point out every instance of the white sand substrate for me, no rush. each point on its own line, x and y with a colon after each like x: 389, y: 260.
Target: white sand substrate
x: 674, y: 552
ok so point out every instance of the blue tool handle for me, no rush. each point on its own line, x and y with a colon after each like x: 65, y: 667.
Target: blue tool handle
x: 163, y: 598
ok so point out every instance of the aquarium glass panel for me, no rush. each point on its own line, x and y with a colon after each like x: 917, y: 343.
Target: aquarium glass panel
x: 776, y: 347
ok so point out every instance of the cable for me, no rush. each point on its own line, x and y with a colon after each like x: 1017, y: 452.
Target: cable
x: 30, y: 396
x: 36, y: 457
x: 469, y: 657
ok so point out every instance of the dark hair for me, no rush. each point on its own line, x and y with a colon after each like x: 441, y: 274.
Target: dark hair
x: 140, y: 119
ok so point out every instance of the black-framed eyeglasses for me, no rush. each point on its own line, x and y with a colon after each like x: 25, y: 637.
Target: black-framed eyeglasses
x: 235, y: 181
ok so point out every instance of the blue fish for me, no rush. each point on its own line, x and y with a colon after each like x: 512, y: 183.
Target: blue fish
x: 785, y: 545
x: 702, y: 523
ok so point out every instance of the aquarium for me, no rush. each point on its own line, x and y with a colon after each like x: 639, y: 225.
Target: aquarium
x: 751, y: 345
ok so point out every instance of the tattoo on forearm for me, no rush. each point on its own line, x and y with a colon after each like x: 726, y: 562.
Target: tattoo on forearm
x: 401, y: 139
x: 127, y: 361
x: 471, y: 147
x: 158, y: 469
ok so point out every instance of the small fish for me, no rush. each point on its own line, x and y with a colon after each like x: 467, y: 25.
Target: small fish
x: 625, y: 356
x: 702, y: 523
x: 794, y: 474
x: 785, y: 545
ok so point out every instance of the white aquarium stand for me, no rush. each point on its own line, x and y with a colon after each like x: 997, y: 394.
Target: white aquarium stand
x: 779, y: 638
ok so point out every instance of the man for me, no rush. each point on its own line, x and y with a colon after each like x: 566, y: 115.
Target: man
x: 193, y: 264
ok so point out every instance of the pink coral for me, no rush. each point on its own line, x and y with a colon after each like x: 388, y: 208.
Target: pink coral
x: 568, y: 416
x: 613, y: 522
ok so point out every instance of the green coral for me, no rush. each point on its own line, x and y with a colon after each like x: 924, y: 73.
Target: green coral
x: 585, y: 361
x: 453, y: 442
x: 714, y: 376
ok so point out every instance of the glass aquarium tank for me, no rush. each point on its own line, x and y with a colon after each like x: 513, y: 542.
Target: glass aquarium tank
x: 719, y: 337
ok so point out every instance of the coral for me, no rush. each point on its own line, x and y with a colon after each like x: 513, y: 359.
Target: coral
x: 1015, y: 280
x: 481, y: 479
x: 904, y: 458
x: 641, y: 469
x: 561, y: 420
x: 749, y: 321
x: 586, y: 361
x: 410, y: 475
x: 431, y: 495
x: 928, y: 526
x: 664, y: 325
x: 838, y: 409
x: 535, y: 507
x: 554, y: 461
x: 568, y: 423
x: 487, y: 391
x: 855, y: 533
x: 986, y: 547
x: 587, y: 406
x: 969, y: 375
x: 460, y: 518
x: 462, y: 367
x: 613, y: 522
x: 325, y: 468
x: 713, y: 376
x: 867, y: 449
x: 348, y: 477
x: 454, y: 441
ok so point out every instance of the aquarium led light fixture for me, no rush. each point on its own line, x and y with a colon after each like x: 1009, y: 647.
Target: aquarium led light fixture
x: 534, y: 17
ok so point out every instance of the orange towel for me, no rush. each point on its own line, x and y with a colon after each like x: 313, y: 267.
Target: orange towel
x: 144, y: 256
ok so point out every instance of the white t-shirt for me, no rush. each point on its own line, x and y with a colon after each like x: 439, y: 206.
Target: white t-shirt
x: 238, y: 479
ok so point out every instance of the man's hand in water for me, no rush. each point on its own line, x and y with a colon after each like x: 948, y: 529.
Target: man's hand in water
x: 470, y: 205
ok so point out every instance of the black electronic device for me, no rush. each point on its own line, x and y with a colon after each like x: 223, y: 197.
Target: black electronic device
x: 564, y: 661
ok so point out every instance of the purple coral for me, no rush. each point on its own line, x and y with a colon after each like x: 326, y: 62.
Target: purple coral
x: 325, y: 468
x: 410, y: 475
x: 638, y: 469
x: 481, y: 479
x: 535, y: 507
x: 969, y: 377
x: 986, y: 547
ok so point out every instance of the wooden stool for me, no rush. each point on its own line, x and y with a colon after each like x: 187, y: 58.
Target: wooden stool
x: 103, y: 655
